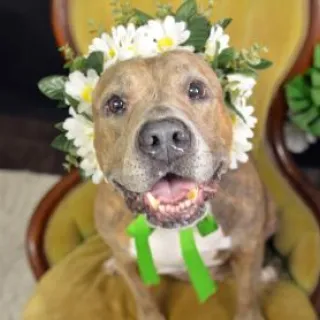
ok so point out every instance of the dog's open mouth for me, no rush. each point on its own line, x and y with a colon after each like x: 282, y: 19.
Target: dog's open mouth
x: 173, y: 201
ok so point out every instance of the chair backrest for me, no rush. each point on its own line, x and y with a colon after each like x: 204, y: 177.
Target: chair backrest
x: 278, y: 112
x: 276, y: 120
x: 288, y: 28
x: 35, y: 244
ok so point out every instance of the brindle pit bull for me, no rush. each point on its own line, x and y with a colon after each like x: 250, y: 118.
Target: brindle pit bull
x: 163, y: 139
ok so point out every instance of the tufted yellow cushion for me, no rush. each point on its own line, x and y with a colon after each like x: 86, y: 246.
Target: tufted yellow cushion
x: 71, y: 223
x: 77, y: 288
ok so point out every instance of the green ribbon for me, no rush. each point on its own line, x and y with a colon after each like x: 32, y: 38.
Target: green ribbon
x: 199, y: 274
x: 207, y: 225
x: 140, y: 230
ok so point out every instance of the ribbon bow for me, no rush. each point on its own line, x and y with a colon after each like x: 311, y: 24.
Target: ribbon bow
x: 200, y: 278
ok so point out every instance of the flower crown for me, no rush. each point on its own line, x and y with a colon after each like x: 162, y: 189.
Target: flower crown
x: 137, y: 34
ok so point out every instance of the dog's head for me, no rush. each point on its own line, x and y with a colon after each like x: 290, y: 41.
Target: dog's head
x: 163, y: 135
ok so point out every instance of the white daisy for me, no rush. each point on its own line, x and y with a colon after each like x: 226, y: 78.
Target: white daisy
x: 125, y: 41
x: 90, y: 167
x: 242, y: 132
x: 216, y: 42
x: 247, y: 112
x: 107, y: 46
x: 240, y: 85
x: 80, y: 131
x: 118, y: 47
x: 80, y: 88
x: 160, y: 36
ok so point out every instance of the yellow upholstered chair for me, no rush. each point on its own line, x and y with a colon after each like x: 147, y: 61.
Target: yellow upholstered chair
x: 69, y: 238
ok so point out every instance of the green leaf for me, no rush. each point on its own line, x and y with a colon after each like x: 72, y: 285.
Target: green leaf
x: 142, y: 17
x: 83, y: 175
x: 95, y: 61
x: 187, y: 10
x: 67, y: 65
x: 62, y: 105
x: 53, y: 87
x: 72, y: 160
x: 316, y: 57
x: 298, y: 105
x: 315, y: 96
x: 228, y: 102
x: 62, y: 143
x: 224, y: 22
x: 66, y: 166
x: 297, y: 94
x: 297, y: 88
x: 219, y: 73
x: 263, y: 64
x: 72, y: 102
x: 314, y: 128
x: 59, y: 127
x: 79, y: 63
x: 315, y: 77
x: 199, y: 27
x: 293, y: 92
x: 227, y: 55
x: 247, y: 72
x: 303, y: 119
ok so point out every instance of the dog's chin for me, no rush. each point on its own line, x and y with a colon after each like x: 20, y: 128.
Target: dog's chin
x: 173, y: 201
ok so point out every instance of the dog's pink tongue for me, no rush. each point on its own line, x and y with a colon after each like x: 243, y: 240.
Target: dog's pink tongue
x: 172, y: 190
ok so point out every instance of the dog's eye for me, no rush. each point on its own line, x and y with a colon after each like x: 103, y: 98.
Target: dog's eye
x: 116, y: 105
x: 196, y: 91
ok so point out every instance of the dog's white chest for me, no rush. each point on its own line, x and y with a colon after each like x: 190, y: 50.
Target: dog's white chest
x: 166, y: 250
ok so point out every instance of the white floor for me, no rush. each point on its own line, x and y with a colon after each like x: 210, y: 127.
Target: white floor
x: 20, y: 192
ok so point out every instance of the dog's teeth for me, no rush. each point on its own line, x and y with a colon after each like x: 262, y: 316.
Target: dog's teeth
x: 153, y: 201
x: 193, y: 194
x: 162, y: 208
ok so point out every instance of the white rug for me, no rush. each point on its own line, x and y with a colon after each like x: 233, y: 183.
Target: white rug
x: 20, y: 192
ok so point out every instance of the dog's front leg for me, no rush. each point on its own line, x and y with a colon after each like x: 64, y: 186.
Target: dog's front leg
x: 247, y: 264
x: 126, y: 267
x: 112, y: 219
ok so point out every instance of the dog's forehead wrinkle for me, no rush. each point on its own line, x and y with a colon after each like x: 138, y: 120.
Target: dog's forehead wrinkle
x: 181, y: 67
x: 125, y: 73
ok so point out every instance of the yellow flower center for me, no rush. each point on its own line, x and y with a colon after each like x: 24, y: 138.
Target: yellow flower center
x: 209, y: 57
x: 165, y: 43
x: 111, y: 53
x: 209, y: 52
x: 233, y: 118
x: 90, y: 134
x: 86, y: 94
x: 131, y: 48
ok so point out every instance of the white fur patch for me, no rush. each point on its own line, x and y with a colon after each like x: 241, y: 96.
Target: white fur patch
x: 165, y: 248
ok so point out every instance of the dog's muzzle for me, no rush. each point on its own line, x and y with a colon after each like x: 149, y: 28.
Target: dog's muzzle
x: 165, y: 140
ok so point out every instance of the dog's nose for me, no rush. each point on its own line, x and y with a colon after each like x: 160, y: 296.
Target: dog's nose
x: 165, y: 140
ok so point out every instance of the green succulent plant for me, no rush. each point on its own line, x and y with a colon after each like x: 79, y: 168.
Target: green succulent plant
x: 303, y: 97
